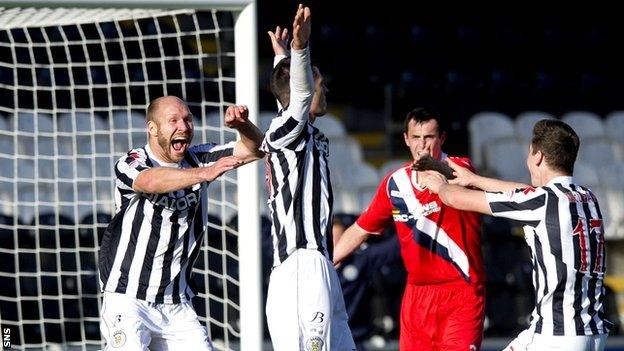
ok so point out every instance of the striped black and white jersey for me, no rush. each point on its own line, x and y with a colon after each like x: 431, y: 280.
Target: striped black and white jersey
x: 149, y: 248
x: 564, y: 229
x: 300, y: 194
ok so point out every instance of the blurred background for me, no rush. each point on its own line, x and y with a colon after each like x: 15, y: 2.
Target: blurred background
x: 491, y: 73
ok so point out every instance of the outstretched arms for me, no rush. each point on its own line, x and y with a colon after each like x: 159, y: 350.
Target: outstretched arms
x: 465, y: 177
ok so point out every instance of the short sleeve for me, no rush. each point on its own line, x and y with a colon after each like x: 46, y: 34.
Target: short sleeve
x: 128, y: 167
x: 378, y: 215
x: 207, y: 154
x: 526, y: 205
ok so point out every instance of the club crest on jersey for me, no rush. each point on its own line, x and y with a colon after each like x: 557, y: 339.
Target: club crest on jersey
x: 173, y: 203
x: 119, y: 339
x: 314, y: 343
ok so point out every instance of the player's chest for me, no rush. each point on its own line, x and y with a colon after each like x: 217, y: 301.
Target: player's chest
x: 413, y: 205
x: 179, y: 200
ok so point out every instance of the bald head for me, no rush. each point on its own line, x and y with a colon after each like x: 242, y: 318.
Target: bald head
x: 155, y: 106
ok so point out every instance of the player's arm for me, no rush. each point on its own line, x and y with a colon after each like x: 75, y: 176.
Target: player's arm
x: 161, y: 180
x: 350, y: 240
x: 466, y: 178
x: 454, y: 195
x: 301, y: 80
x: 279, y: 42
x: 247, y: 148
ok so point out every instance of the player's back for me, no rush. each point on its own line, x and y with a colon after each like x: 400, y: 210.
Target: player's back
x: 300, y: 194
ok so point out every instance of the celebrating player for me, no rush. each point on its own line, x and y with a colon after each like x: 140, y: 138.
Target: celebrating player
x: 148, y: 250
x: 443, y: 304
x: 305, y: 308
x: 562, y: 226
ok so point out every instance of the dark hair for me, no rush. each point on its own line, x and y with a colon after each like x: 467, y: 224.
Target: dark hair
x: 558, y: 143
x: 423, y: 114
x: 280, y: 82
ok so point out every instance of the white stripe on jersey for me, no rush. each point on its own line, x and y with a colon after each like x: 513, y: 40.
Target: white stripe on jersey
x: 429, y: 227
x: 300, y: 197
x: 152, y: 234
x: 563, y: 227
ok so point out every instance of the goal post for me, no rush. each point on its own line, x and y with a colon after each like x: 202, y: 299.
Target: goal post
x: 74, y: 89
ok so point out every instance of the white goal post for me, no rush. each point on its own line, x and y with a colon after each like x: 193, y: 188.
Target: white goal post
x: 65, y: 118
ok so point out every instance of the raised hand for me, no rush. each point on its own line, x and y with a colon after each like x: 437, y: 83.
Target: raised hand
x: 302, y: 27
x: 235, y: 116
x: 279, y: 41
x: 222, y: 165
x: 463, y: 176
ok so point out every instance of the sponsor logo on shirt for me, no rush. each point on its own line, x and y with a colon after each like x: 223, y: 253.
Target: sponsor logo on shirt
x: 422, y: 211
x: 173, y: 203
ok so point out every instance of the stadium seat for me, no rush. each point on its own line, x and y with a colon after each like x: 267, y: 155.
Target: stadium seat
x: 344, y: 154
x: 506, y: 157
x: 331, y: 126
x: 614, y: 195
x: 585, y: 124
x: 525, y: 121
x: 586, y: 175
x: 597, y: 152
x: 614, y: 125
x: 485, y: 127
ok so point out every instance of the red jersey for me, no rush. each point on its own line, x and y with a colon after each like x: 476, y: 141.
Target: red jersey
x: 439, y: 244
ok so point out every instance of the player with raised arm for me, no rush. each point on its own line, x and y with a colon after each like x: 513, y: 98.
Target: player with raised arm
x: 148, y: 250
x: 564, y: 229
x: 443, y: 304
x: 305, y: 308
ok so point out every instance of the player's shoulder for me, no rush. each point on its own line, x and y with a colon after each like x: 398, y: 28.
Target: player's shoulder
x: 404, y: 168
x: 202, y: 148
x: 138, y: 153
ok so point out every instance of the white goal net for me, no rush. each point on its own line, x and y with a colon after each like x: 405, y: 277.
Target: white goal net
x: 74, y: 87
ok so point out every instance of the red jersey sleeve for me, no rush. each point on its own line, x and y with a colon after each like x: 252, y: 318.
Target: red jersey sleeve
x: 464, y: 162
x: 378, y: 215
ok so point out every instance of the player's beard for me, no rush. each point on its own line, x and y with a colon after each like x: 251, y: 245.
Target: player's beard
x: 166, y: 144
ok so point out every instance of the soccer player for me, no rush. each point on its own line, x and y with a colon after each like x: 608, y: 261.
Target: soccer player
x: 444, y: 300
x: 564, y: 230
x: 305, y: 308
x: 148, y: 250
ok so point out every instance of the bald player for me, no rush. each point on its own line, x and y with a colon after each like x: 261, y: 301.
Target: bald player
x: 148, y: 250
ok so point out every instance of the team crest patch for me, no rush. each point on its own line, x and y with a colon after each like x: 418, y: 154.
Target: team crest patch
x: 314, y: 343
x: 119, y: 338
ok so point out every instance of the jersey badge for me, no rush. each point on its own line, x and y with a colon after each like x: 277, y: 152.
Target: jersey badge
x: 314, y: 343
x: 119, y: 339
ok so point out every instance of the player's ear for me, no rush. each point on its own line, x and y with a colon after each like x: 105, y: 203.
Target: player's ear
x: 539, y: 157
x: 405, y: 137
x: 152, y: 128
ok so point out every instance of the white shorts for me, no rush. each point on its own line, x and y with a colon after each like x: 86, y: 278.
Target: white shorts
x: 305, y: 308
x: 128, y: 323
x: 528, y: 340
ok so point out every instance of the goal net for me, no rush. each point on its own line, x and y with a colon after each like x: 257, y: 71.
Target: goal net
x: 74, y: 87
